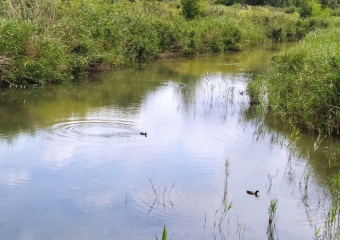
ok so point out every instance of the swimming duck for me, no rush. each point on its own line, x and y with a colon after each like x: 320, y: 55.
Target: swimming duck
x: 144, y: 133
x: 253, y: 193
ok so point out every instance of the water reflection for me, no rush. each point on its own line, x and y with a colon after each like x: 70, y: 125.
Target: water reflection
x: 272, y: 231
x: 76, y: 160
x: 12, y: 178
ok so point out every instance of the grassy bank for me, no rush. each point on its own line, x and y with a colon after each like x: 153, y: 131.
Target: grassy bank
x: 303, y: 87
x: 57, y: 41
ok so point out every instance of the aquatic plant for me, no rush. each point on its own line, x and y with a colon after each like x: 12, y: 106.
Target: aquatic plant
x: 227, y: 165
x: 331, y: 228
x: 164, y: 235
x: 225, y: 192
x: 272, y: 210
x: 316, y: 233
x: 333, y: 154
x: 158, y: 196
x: 226, y: 209
x: 307, y: 174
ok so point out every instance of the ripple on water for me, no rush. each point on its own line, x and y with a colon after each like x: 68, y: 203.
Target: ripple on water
x: 313, y: 203
x: 114, y: 129
x: 176, y: 195
x: 71, y: 141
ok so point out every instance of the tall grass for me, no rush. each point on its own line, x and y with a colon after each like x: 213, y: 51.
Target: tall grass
x: 56, y: 41
x: 303, y: 87
x: 34, y: 12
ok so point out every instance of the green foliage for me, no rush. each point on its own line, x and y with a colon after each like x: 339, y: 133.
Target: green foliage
x: 56, y: 41
x: 193, y: 8
x: 317, y: 10
x: 165, y: 235
x: 304, y: 5
x: 330, y: 3
x: 306, y: 8
x: 303, y: 87
x: 272, y: 207
x: 228, y: 2
x: 14, y: 37
x: 336, y: 12
x: 255, y: 90
x: 290, y: 10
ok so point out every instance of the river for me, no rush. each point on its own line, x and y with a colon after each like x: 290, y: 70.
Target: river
x: 73, y: 164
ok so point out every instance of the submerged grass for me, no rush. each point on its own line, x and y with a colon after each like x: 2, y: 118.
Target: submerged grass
x: 56, y: 41
x: 331, y: 228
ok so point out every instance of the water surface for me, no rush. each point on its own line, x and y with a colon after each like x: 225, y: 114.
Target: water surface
x: 73, y: 164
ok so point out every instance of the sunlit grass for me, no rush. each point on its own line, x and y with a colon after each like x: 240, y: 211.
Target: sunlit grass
x: 303, y: 87
x: 56, y: 41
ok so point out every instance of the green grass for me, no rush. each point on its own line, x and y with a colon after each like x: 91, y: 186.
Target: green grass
x: 164, y: 235
x: 272, y: 210
x: 303, y: 86
x: 57, y: 41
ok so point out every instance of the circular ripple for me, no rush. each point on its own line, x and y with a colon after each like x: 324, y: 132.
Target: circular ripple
x: 96, y: 129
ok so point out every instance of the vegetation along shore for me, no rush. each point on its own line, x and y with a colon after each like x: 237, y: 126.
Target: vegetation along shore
x: 303, y: 86
x: 58, y: 40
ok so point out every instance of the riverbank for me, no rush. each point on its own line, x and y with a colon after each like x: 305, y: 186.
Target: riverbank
x: 303, y: 86
x: 55, y: 42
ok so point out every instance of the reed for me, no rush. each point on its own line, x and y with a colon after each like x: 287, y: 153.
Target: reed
x: 272, y: 210
x: 303, y: 86
x: 331, y: 228
x: 57, y: 41
x: 164, y: 235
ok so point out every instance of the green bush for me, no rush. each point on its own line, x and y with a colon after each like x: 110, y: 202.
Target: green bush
x: 192, y: 8
x: 14, y: 37
x: 290, y: 10
x: 306, y: 8
x: 228, y: 2
x: 336, y: 12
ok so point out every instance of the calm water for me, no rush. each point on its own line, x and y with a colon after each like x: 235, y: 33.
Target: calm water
x: 73, y: 164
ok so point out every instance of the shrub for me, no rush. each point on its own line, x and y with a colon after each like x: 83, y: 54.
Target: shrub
x: 290, y: 10
x: 306, y: 8
x: 193, y: 8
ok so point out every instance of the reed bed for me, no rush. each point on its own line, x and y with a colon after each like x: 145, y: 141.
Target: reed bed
x: 303, y: 86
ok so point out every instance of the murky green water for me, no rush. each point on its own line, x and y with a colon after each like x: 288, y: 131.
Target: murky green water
x: 73, y: 164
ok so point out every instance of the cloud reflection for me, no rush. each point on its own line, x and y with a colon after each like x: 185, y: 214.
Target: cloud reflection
x: 57, y: 154
x: 101, y: 200
x: 14, y: 178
